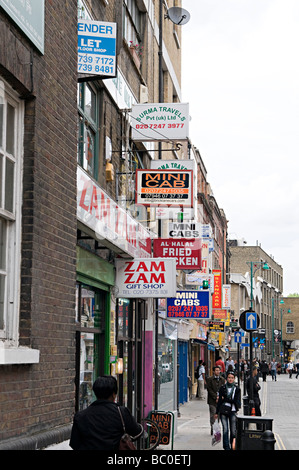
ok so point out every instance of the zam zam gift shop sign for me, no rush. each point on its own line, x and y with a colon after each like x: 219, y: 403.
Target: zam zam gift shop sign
x: 141, y: 278
x: 189, y: 304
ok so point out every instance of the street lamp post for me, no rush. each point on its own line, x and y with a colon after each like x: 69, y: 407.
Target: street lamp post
x: 254, y: 266
x: 273, y: 302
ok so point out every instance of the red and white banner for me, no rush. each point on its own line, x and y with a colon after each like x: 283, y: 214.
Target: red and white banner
x: 145, y: 278
x: 226, y: 296
x: 186, y: 251
x: 110, y: 223
x: 217, y: 303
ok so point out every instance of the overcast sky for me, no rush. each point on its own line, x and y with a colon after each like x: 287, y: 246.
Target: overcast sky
x: 241, y: 79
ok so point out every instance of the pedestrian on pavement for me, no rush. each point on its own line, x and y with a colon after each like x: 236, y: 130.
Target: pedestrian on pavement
x: 255, y: 388
x: 264, y: 370
x: 290, y: 368
x: 220, y: 363
x: 201, y: 380
x: 229, y: 362
x: 229, y: 402
x: 213, y: 385
x: 273, y: 369
x: 297, y: 368
x: 99, y: 427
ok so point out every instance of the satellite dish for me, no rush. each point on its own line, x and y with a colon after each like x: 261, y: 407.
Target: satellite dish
x: 178, y: 15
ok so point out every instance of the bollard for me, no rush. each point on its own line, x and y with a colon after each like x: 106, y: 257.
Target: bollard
x: 268, y: 440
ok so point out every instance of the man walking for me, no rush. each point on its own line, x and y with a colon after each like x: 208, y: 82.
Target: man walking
x: 273, y: 368
x: 213, y: 385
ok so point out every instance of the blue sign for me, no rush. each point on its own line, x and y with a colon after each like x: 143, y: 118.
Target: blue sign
x: 189, y: 304
x: 245, y: 345
x: 251, y: 320
x: 97, y: 48
x: 238, y: 337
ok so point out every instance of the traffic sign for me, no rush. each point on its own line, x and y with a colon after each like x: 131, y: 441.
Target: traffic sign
x: 238, y: 337
x: 249, y: 320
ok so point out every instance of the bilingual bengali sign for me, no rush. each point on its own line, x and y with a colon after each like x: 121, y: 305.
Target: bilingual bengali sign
x: 145, y: 278
x: 189, y: 304
x: 97, y: 48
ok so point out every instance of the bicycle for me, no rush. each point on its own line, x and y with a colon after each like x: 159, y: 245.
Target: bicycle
x: 151, y: 436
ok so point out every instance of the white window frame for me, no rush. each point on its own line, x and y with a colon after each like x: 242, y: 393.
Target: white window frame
x: 10, y: 351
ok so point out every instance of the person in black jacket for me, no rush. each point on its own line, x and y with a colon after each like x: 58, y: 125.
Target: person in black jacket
x: 229, y: 402
x: 99, y: 427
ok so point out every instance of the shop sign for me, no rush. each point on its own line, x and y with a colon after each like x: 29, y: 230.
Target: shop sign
x: 145, y: 278
x: 217, y: 289
x: 164, y: 422
x: 160, y: 121
x: 184, y: 230
x: 187, y: 252
x: 226, y: 296
x: 220, y: 314
x: 110, y: 223
x: 189, y: 304
x: 30, y: 17
x: 216, y: 326
x: 97, y: 48
x: 164, y: 187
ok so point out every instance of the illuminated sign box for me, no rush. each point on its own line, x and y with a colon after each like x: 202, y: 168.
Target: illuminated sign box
x: 189, y: 304
x: 187, y: 252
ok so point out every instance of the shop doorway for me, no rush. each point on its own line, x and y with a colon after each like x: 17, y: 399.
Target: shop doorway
x: 90, y: 341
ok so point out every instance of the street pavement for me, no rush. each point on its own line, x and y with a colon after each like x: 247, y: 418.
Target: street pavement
x: 279, y: 401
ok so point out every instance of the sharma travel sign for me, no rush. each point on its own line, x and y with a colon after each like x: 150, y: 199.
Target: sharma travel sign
x: 189, y: 304
x: 145, y: 278
x: 160, y: 121
x: 97, y: 48
x: 164, y: 187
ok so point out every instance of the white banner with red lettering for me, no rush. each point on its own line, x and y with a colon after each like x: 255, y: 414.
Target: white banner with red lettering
x: 145, y: 278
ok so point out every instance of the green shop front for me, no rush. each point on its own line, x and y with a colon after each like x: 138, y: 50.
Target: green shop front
x: 109, y: 329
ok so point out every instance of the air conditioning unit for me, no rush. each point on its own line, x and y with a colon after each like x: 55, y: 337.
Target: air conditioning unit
x: 143, y: 94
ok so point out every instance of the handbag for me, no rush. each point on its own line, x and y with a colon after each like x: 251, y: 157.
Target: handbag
x: 125, y: 442
x: 225, y: 409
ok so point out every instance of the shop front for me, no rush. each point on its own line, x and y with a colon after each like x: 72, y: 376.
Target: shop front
x: 110, y: 333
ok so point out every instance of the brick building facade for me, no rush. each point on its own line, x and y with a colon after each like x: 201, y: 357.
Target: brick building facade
x: 38, y: 179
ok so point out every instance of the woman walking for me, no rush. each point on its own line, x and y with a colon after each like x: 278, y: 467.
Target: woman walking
x: 229, y: 403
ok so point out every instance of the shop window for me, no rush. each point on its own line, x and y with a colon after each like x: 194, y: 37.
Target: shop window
x: 11, y: 145
x: 90, y: 320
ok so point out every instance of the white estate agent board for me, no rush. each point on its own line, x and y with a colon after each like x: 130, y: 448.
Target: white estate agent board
x: 145, y: 278
x: 160, y: 121
x: 97, y: 48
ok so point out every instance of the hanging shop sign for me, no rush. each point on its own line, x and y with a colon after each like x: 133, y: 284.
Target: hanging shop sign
x: 30, y: 17
x: 184, y: 230
x: 164, y: 187
x: 145, y: 278
x: 189, y: 304
x: 217, y: 303
x: 226, y: 296
x: 96, y: 48
x: 187, y: 252
x: 109, y: 222
x: 216, y: 326
x: 219, y: 314
x: 160, y: 121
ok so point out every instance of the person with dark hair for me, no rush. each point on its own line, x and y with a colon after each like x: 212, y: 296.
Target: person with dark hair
x: 229, y: 402
x: 99, y: 427
x: 213, y: 385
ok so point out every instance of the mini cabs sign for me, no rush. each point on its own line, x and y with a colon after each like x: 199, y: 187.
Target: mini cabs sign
x: 164, y: 187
